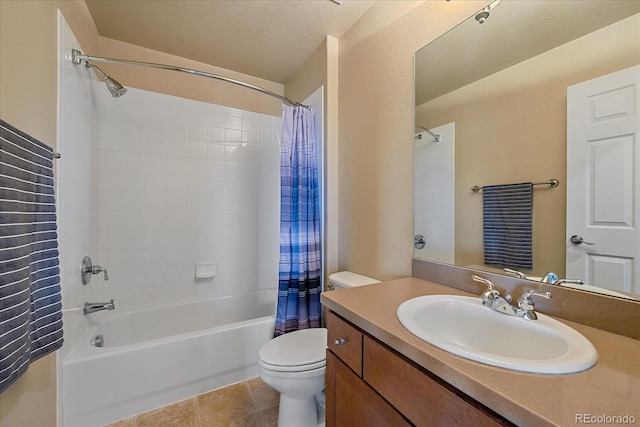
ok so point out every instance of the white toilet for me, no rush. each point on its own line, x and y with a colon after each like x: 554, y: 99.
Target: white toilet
x: 294, y: 365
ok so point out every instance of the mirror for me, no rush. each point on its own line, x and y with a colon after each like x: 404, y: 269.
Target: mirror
x: 495, y: 94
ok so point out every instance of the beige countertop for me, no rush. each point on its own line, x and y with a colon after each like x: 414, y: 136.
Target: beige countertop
x: 611, y: 388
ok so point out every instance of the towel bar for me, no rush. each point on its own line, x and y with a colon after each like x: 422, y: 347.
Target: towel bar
x: 552, y: 183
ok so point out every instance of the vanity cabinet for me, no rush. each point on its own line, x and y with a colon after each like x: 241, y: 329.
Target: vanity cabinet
x: 369, y: 384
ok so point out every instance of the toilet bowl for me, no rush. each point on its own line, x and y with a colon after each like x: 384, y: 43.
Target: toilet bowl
x: 294, y: 365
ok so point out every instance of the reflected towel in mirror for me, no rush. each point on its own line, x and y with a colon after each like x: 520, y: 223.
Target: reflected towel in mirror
x: 507, y: 216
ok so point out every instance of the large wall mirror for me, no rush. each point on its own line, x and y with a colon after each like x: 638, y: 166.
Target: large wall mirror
x: 492, y: 108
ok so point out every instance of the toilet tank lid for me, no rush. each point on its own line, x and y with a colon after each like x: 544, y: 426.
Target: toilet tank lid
x: 349, y: 279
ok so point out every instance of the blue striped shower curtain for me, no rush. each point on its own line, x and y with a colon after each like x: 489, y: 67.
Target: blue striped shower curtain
x: 300, y: 255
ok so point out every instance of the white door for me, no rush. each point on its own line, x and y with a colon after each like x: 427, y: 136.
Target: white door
x: 434, y: 180
x: 603, y: 177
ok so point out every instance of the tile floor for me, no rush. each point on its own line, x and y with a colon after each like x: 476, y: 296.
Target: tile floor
x: 250, y: 403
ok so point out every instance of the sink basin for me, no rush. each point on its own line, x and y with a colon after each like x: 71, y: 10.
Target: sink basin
x: 464, y: 327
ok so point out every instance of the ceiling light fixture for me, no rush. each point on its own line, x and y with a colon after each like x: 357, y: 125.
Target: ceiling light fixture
x: 484, y: 14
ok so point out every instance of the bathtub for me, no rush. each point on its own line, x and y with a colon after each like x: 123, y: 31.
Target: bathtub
x: 155, y: 356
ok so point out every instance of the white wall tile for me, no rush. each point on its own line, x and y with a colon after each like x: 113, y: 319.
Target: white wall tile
x: 233, y: 121
x: 156, y: 163
x: 216, y: 115
x: 233, y: 135
x: 179, y: 185
x: 176, y: 184
x: 197, y: 131
x: 215, y: 133
x: 177, y: 166
x: 76, y: 181
x: 215, y: 151
x: 197, y: 112
x: 197, y: 147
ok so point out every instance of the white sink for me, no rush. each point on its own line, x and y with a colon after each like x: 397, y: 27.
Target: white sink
x: 463, y: 326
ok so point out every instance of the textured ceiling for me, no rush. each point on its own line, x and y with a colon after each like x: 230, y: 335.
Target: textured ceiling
x: 515, y: 31
x: 269, y: 39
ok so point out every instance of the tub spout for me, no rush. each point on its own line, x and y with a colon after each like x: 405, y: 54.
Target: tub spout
x: 92, y: 307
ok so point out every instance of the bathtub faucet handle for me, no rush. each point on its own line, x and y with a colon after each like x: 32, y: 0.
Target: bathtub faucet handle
x: 89, y: 269
x: 96, y: 269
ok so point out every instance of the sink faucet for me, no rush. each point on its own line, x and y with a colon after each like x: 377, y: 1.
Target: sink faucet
x: 553, y: 279
x: 518, y: 274
x: 550, y: 278
x: 575, y: 282
x: 526, y: 308
x: 92, y: 307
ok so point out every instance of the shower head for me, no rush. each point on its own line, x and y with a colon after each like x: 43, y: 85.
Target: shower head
x: 116, y: 89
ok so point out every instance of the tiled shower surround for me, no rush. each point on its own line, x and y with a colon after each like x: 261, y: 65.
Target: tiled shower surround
x: 149, y: 185
x: 183, y: 182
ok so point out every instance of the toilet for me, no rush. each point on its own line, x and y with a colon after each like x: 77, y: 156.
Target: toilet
x: 294, y: 365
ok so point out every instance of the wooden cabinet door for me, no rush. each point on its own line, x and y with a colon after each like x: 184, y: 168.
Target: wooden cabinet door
x: 345, y: 341
x: 424, y: 399
x: 351, y: 402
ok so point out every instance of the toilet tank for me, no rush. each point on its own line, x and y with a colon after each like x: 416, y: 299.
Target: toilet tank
x: 349, y: 279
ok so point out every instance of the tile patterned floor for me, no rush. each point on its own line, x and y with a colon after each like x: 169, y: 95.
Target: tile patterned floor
x: 250, y: 403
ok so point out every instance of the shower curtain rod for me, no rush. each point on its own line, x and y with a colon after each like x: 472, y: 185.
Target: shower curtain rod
x: 77, y: 57
x: 435, y: 135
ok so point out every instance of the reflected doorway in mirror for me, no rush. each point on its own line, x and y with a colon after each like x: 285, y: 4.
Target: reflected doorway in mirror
x: 603, y: 155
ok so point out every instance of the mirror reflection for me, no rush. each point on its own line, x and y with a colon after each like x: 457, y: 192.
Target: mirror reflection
x: 539, y: 91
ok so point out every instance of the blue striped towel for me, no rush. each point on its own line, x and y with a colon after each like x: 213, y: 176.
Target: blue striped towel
x: 507, y: 214
x: 30, y: 301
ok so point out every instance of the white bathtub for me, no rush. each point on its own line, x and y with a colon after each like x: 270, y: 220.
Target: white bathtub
x: 156, y: 356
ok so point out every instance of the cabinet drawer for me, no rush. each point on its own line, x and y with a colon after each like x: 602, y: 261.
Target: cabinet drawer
x: 345, y: 341
x: 421, y: 397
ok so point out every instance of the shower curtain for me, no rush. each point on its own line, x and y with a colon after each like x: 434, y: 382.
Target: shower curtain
x: 300, y: 260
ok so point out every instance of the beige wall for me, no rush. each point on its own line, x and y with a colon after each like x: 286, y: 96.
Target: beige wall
x: 28, y: 100
x: 28, y: 60
x: 511, y: 127
x: 321, y: 69
x: 186, y: 85
x: 376, y: 131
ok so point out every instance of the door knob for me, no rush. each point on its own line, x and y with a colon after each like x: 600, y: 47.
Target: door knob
x: 419, y: 241
x: 577, y: 240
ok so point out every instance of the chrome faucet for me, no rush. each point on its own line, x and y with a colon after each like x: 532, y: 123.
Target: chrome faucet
x: 550, y: 278
x: 88, y: 269
x: 575, y: 282
x: 526, y: 308
x: 92, y: 307
x: 553, y: 279
x: 518, y: 274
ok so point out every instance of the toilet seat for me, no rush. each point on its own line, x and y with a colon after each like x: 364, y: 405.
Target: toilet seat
x: 298, y: 351
x: 297, y: 368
